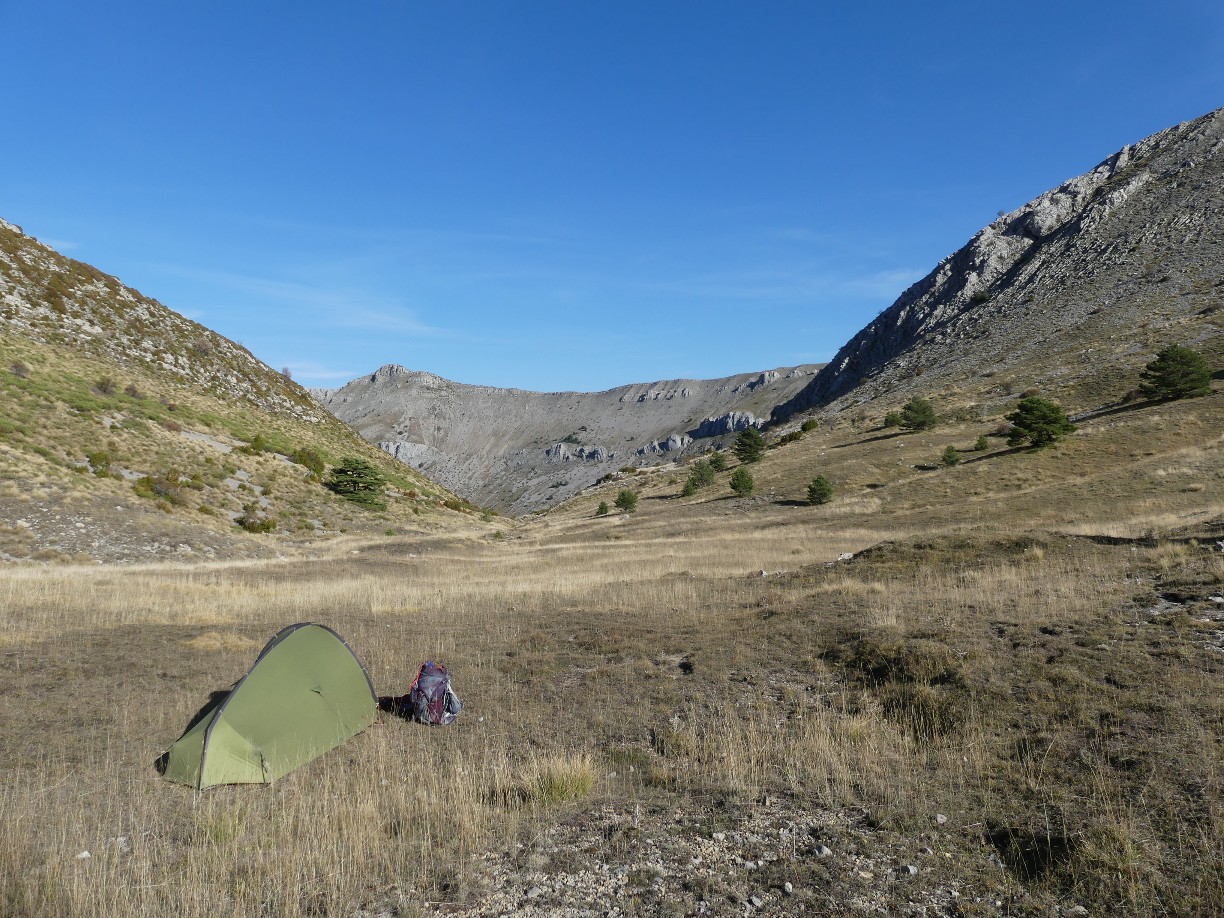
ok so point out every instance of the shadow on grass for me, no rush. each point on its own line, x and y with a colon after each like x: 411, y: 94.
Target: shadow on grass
x: 1010, y: 451
x: 887, y: 436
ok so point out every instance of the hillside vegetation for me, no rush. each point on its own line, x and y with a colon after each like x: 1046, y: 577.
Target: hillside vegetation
x: 127, y: 431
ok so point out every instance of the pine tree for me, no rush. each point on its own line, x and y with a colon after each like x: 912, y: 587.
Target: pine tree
x: 356, y: 480
x: 749, y: 445
x: 627, y: 500
x: 951, y: 456
x: 602, y: 509
x: 820, y: 491
x: 718, y: 461
x: 1038, y: 421
x: 742, y: 482
x: 918, y: 414
x: 1177, y: 372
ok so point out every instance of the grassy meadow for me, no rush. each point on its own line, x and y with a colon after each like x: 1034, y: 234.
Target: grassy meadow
x: 1024, y: 645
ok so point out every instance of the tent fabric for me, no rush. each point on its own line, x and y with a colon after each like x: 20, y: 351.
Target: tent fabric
x: 306, y: 693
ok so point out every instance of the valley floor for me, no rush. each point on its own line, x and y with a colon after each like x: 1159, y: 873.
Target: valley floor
x: 1007, y: 700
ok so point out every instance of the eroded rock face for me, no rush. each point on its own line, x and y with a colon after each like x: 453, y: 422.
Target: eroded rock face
x: 506, y: 448
x: 674, y: 443
x: 731, y: 422
x: 1085, y: 260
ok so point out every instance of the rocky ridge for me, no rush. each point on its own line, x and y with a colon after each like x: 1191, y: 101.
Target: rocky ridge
x: 47, y: 297
x: 517, y: 451
x: 1074, y: 289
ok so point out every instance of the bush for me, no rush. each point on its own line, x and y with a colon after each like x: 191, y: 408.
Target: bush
x: 950, y: 456
x: 701, y: 475
x: 689, y: 489
x: 749, y: 445
x: 259, y: 444
x: 20, y: 370
x: 252, y: 522
x: 602, y: 509
x: 131, y: 391
x: 791, y: 437
x: 809, y: 425
x: 892, y: 419
x: 980, y: 443
x: 918, y: 414
x: 99, y: 462
x: 105, y: 386
x: 164, y: 486
x: 309, y: 458
x: 742, y: 482
x: 718, y: 461
x: 820, y: 491
x: 627, y: 501
x: 357, y: 481
x: 1177, y: 372
x: 1038, y: 421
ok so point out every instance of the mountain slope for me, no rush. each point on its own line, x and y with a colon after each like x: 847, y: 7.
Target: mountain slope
x: 1068, y: 293
x: 518, y: 450
x: 101, y: 387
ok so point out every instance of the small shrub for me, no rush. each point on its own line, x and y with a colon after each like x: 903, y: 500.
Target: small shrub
x: 99, y: 462
x: 892, y: 419
x: 820, y: 491
x: 310, y: 459
x: 131, y: 391
x: 252, y: 522
x: 792, y: 437
x: 20, y: 370
x: 979, y: 296
x: 165, y: 487
x: 742, y: 482
x: 602, y: 509
x: 259, y: 444
x: 980, y: 443
x: 171, y: 425
x: 105, y: 386
x: 950, y: 456
x: 809, y: 425
x: 718, y: 460
x: 689, y: 489
x: 627, y: 500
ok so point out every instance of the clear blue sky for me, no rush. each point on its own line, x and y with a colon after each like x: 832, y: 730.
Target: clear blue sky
x: 562, y: 195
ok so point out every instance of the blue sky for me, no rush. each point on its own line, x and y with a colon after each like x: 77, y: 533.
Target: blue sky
x: 562, y: 195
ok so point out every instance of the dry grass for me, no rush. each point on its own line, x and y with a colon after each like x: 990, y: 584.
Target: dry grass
x: 1039, y: 689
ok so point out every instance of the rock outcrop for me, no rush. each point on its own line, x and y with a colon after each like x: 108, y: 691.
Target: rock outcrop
x: 1134, y: 244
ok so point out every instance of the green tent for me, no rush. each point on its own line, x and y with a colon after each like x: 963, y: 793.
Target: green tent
x: 307, y: 693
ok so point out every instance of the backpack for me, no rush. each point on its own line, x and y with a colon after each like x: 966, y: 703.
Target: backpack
x: 430, y: 698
